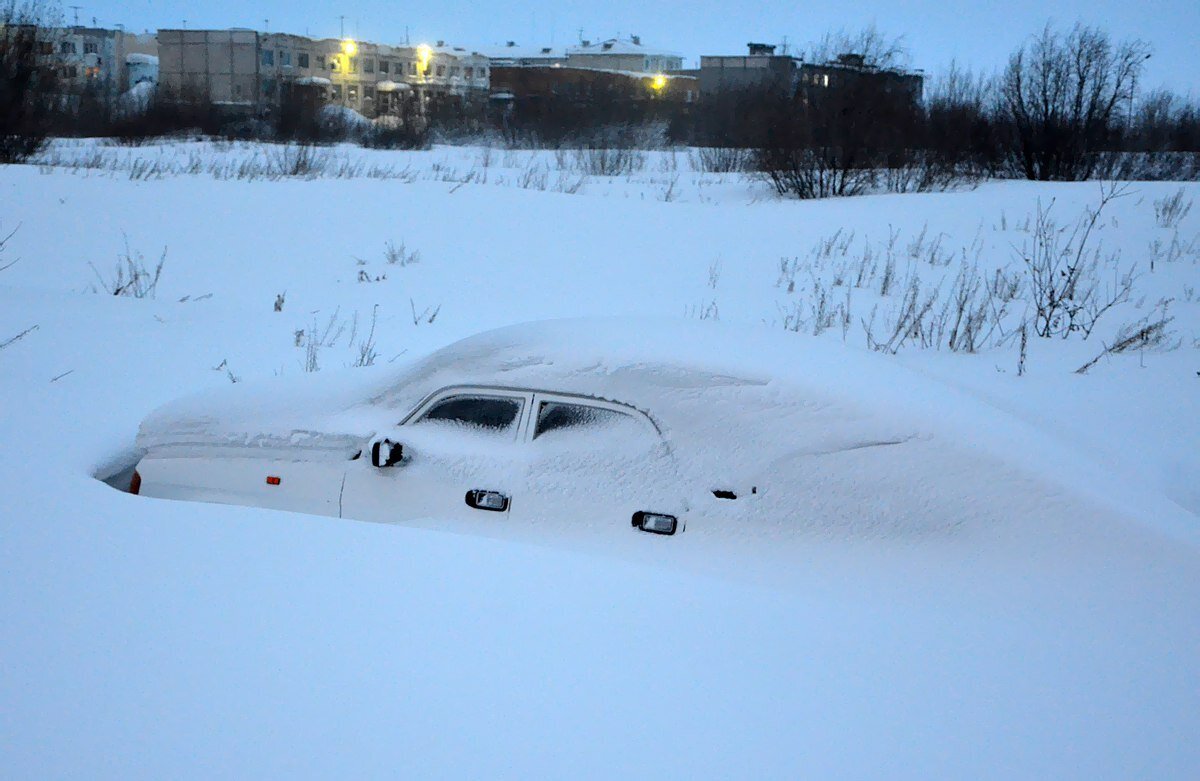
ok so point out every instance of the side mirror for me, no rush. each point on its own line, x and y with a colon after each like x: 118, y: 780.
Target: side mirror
x: 385, y: 452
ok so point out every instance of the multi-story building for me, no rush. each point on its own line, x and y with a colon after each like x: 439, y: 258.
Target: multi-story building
x: 511, y: 55
x: 616, y: 69
x: 623, y: 54
x: 91, y: 58
x: 255, y: 71
x: 627, y: 55
x: 761, y: 69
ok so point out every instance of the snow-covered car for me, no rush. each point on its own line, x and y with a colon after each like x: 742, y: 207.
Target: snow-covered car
x: 597, y: 426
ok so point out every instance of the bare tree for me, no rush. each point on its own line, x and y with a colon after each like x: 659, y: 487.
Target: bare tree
x: 877, y: 49
x: 28, y: 85
x: 1062, y: 95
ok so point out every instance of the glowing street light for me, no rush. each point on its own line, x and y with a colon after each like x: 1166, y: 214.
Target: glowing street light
x: 349, y: 47
x: 658, y: 83
x: 424, y: 55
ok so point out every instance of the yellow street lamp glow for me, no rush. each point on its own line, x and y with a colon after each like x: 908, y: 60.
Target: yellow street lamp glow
x: 349, y: 47
x: 658, y: 83
x: 424, y: 55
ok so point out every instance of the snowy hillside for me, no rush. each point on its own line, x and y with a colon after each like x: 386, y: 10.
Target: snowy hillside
x: 149, y: 639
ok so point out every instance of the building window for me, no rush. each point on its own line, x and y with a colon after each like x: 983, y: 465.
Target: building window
x: 321, y: 62
x: 412, y: 69
x: 353, y: 68
x: 441, y: 70
x: 90, y: 48
x: 335, y: 64
x: 70, y: 71
x: 368, y: 95
x: 368, y: 65
x: 285, y: 59
x: 469, y: 73
x: 383, y: 66
x: 302, y: 59
x: 352, y: 94
x: 67, y: 48
x: 268, y: 57
x: 337, y: 92
x: 483, y: 73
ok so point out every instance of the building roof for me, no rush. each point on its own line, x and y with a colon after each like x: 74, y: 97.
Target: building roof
x: 631, y: 45
x: 514, y: 51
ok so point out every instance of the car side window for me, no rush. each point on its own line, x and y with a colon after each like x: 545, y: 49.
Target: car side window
x: 556, y: 415
x: 488, y: 413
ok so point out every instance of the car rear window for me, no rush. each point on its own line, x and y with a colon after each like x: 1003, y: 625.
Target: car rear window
x: 555, y: 415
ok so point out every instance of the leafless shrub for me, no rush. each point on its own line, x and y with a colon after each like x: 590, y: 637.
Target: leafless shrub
x: 1170, y: 210
x: 1174, y: 251
x: 721, y: 160
x: 924, y: 171
x: 569, y: 184
x: 908, y: 322
x: 18, y: 337
x: 704, y: 311
x: 535, y: 176
x: 1148, y: 333
x: 608, y: 161
x: 295, y: 160
x: 131, y: 276
x: 668, y: 194
x: 3, y: 244
x: 365, y: 352
x: 1062, y: 272
x: 316, y: 338
x: 427, y: 315
x: 401, y: 255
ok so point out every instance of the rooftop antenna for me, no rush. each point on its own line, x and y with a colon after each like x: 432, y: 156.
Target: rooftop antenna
x: 266, y: 25
x: 75, y: 8
x: 342, y: 28
x: 785, y: 46
x: 185, y: 24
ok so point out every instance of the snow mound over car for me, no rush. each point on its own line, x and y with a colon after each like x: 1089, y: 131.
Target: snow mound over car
x: 796, y: 435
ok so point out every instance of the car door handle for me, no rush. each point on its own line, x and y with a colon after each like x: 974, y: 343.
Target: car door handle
x: 487, y: 500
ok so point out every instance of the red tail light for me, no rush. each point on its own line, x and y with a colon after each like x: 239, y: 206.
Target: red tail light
x: 135, y: 483
x: 273, y: 480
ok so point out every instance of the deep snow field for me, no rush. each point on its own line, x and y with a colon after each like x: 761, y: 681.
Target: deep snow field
x: 149, y: 639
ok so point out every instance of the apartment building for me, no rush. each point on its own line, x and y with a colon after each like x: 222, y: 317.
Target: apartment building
x: 89, y: 58
x: 762, y: 68
x: 254, y: 71
x: 623, y: 54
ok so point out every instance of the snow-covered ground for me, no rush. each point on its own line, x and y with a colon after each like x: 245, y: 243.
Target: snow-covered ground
x: 148, y: 639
